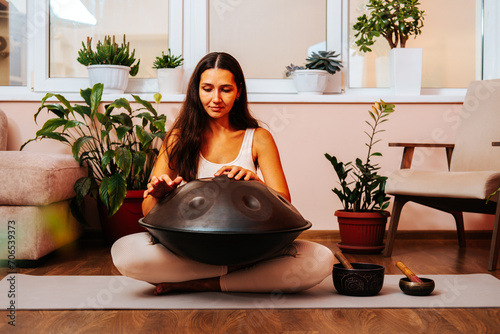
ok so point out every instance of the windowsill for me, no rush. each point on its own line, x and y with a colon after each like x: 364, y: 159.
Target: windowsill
x: 367, y: 95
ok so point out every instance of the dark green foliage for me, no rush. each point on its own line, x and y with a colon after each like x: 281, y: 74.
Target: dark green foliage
x: 361, y: 188
x: 168, y: 61
x: 117, y: 144
x: 395, y: 20
x: 324, y: 60
x: 108, y: 53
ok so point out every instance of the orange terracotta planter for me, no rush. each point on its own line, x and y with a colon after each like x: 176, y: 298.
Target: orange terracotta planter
x: 361, y: 232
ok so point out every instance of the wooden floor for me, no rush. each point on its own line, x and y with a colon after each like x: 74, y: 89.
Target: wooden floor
x: 91, y: 257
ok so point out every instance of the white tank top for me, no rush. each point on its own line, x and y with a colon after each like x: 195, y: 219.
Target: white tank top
x: 244, y: 158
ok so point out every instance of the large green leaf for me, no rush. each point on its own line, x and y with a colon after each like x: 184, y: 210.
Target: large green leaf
x: 82, y: 187
x: 123, y: 158
x: 106, y: 158
x: 146, y: 104
x: 78, y: 145
x: 120, y: 103
x: 95, y: 97
x: 117, y: 190
x: 52, y: 125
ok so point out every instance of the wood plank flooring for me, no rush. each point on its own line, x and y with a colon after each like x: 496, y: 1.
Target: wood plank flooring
x: 90, y: 256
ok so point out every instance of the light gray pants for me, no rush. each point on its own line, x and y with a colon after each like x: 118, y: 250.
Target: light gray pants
x: 303, y: 265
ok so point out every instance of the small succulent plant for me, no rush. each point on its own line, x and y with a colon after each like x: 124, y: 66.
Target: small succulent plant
x: 324, y: 60
x: 291, y: 68
x: 108, y: 53
x: 167, y: 61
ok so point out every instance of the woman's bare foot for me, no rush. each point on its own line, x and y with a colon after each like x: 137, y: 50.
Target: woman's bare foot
x: 207, y: 284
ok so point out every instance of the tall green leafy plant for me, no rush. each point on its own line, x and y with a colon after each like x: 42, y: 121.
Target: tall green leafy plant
x: 118, y: 144
x: 361, y: 188
x: 395, y: 20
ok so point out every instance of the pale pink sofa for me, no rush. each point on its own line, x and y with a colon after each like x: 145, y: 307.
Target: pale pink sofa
x: 35, y: 191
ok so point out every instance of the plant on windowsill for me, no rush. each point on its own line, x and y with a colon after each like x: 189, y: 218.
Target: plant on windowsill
x: 362, y: 193
x: 314, y: 77
x: 169, y: 73
x: 110, y: 63
x: 118, y: 144
x: 396, y: 21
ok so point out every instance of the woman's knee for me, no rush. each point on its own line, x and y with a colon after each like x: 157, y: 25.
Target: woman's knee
x: 126, y: 254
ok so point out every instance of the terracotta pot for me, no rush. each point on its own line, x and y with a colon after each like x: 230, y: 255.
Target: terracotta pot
x: 361, y: 232
x: 125, y: 220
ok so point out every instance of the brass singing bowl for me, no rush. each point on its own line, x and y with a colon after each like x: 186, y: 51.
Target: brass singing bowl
x: 416, y: 288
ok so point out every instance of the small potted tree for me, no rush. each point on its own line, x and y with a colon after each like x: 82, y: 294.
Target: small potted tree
x: 110, y: 64
x: 314, y: 77
x: 119, y: 146
x: 169, y: 73
x: 362, y: 193
x: 396, y: 21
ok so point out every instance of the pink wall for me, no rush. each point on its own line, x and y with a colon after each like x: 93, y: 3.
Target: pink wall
x: 304, y: 132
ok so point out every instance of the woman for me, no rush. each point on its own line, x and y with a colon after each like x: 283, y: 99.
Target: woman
x: 213, y: 135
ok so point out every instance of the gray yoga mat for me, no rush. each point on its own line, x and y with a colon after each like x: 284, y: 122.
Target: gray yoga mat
x: 27, y: 292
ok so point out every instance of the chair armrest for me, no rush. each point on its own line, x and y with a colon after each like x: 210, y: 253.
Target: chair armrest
x: 409, y: 149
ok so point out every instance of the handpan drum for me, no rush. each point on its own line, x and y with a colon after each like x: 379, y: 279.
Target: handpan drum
x: 223, y: 221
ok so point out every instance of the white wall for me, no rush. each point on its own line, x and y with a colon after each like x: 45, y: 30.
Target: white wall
x: 304, y: 132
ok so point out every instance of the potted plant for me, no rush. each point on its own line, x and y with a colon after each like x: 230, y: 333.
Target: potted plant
x: 314, y: 77
x: 396, y: 21
x: 110, y: 64
x: 169, y: 73
x: 362, y: 193
x: 119, y: 146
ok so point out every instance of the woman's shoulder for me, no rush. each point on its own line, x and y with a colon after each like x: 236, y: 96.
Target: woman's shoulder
x: 263, y: 137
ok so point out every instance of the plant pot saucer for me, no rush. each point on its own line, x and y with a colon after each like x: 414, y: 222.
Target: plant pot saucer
x: 360, y: 249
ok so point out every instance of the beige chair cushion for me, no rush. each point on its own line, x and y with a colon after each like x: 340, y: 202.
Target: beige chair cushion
x: 478, y: 185
x: 30, y: 178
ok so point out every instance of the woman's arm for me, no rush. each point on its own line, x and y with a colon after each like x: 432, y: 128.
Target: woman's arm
x: 163, y: 180
x: 267, y: 155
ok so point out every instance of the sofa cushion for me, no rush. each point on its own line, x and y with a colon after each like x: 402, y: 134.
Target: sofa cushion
x: 31, y: 178
x: 38, y: 230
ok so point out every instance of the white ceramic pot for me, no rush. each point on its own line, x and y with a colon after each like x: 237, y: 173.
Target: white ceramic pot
x: 170, y: 80
x: 406, y: 70
x: 310, y: 82
x: 113, y: 77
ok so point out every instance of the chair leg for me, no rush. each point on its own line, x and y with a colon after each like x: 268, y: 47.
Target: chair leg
x: 459, y: 220
x: 393, y: 225
x: 495, y: 241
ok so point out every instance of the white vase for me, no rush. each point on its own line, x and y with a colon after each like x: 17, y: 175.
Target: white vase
x: 310, y: 82
x: 406, y: 70
x: 334, y: 83
x: 170, y: 80
x: 113, y: 77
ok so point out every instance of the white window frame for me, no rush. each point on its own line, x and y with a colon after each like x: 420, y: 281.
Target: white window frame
x: 198, y: 41
x: 42, y: 81
x: 192, y: 42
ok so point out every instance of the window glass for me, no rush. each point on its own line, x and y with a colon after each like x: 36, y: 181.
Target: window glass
x: 267, y: 35
x: 144, y: 23
x: 13, y: 43
x: 450, y: 40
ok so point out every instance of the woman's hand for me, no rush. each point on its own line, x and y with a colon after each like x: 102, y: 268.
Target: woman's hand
x: 160, y: 186
x: 238, y: 173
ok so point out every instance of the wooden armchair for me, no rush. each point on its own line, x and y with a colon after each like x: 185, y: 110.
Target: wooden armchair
x: 474, y: 169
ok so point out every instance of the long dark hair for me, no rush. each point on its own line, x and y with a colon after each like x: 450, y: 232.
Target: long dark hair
x: 185, y: 137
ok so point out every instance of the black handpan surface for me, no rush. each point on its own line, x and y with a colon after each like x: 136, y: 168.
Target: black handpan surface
x: 224, y: 221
